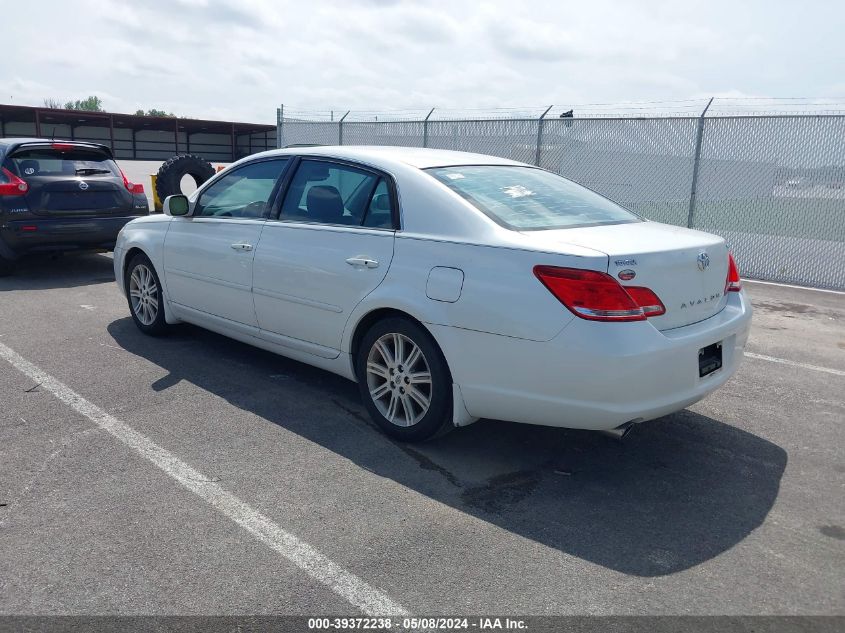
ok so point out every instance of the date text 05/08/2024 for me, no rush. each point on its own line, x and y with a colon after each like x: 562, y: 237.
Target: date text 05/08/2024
x: 417, y: 623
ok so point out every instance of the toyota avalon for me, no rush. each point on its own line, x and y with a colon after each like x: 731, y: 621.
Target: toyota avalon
x: 449, y: 286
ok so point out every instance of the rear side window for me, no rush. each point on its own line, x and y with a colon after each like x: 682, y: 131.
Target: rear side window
x: 29, y: 163
x: 331, y: 193
x: 379, y: 213
x: 523, y: 198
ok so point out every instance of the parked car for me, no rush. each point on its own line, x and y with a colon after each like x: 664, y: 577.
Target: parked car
x: 450, y: 286
x: 60, y: 196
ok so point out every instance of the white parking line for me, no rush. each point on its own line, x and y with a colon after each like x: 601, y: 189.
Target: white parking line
x: 370, y: 600
x: 792, y: 363
x: 775, y: 283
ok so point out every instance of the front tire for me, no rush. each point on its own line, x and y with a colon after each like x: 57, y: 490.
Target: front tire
x: 404, y: 380
x: 143, y: 292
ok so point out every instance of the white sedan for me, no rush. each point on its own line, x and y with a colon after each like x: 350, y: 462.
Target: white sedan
x: 449, y: 286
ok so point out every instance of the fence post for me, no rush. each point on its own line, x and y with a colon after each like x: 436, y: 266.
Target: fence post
x: 234, y: 141
x: 696, y: 163
x: 280, y: 117
x: 340, y: 128
x: 540, y: 135
x: 425, y: 128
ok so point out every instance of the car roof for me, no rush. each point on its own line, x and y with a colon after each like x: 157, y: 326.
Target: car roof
x: 419, y: 157
x: 10, y: 144
x: 9, y: 141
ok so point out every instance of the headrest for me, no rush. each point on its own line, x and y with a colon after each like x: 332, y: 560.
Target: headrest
x: 324, y: 204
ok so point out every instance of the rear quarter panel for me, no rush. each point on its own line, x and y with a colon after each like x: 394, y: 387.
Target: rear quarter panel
x: 499, y: 295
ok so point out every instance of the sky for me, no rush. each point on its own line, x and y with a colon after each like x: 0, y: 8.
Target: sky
x: 239, y: 59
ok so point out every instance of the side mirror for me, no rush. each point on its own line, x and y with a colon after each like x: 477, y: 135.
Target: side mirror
x: 176, y: 205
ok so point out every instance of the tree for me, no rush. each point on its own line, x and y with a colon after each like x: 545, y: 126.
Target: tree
x: 55, y: 104
x: 154, y: 112
x: 91, y: 104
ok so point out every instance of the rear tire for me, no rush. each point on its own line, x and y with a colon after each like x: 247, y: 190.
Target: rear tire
x: 144, y: 295
x: 404, y: 380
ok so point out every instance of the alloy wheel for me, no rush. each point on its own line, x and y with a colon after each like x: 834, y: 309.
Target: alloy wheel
x: 399, y: 379
x: 143, y: 293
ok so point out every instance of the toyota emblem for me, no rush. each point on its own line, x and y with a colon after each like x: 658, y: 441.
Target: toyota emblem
x: 703, y: 261
x: 84, y: 185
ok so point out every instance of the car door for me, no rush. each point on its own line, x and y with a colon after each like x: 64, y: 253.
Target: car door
x: 208, y: 255
x: 330, y: 246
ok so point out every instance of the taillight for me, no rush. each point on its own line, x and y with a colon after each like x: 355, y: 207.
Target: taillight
x: 130, y: 187
x: 11, y: 185
x: 138, y: 188
x: 645, y: 298
x: 598, y: 296
x: 63, y: 147
x: 732, y: 284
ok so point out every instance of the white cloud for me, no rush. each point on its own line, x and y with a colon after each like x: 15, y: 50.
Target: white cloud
x: 239, y: 59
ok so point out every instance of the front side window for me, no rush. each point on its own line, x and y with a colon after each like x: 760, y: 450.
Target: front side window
x: 524, y: 198
x: 331, y: 193
x: 242, y: 193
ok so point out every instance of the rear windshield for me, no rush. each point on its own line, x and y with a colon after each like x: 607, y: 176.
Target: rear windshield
x: 27, y: 163
x: 524, y: 198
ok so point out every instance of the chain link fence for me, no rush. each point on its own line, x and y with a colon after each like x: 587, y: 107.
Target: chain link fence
x: 773, y: 185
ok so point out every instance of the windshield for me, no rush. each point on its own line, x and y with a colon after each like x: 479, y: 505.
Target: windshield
x: 524, y: 198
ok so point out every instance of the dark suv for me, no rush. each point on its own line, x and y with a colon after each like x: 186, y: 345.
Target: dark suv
x: 59, y: 196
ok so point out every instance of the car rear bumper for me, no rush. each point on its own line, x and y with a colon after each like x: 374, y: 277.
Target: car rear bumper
x: 49, y: 234
x: 593, y: 375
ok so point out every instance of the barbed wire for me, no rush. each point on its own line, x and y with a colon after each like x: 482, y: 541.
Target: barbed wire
x: 693, y: 107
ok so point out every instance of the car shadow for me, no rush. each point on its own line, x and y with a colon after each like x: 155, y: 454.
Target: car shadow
x: 677, y: 492
x: 44, y: 271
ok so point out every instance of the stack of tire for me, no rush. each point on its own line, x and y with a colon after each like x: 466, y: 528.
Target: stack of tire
x: 171, y: 172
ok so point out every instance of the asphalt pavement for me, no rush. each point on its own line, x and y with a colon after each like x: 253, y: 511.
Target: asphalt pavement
x: 733, y: 506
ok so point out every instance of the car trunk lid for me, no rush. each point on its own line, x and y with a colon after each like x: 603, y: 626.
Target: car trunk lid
x: 687, y: 269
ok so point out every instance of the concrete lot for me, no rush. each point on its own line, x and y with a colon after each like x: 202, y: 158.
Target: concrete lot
x: 734, y: 506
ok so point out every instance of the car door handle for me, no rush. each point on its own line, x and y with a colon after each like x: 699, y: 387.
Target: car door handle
x: 365, y: 262
x: 242, y: 246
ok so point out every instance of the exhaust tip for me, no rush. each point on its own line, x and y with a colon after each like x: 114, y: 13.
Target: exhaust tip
x: 621, y: 431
